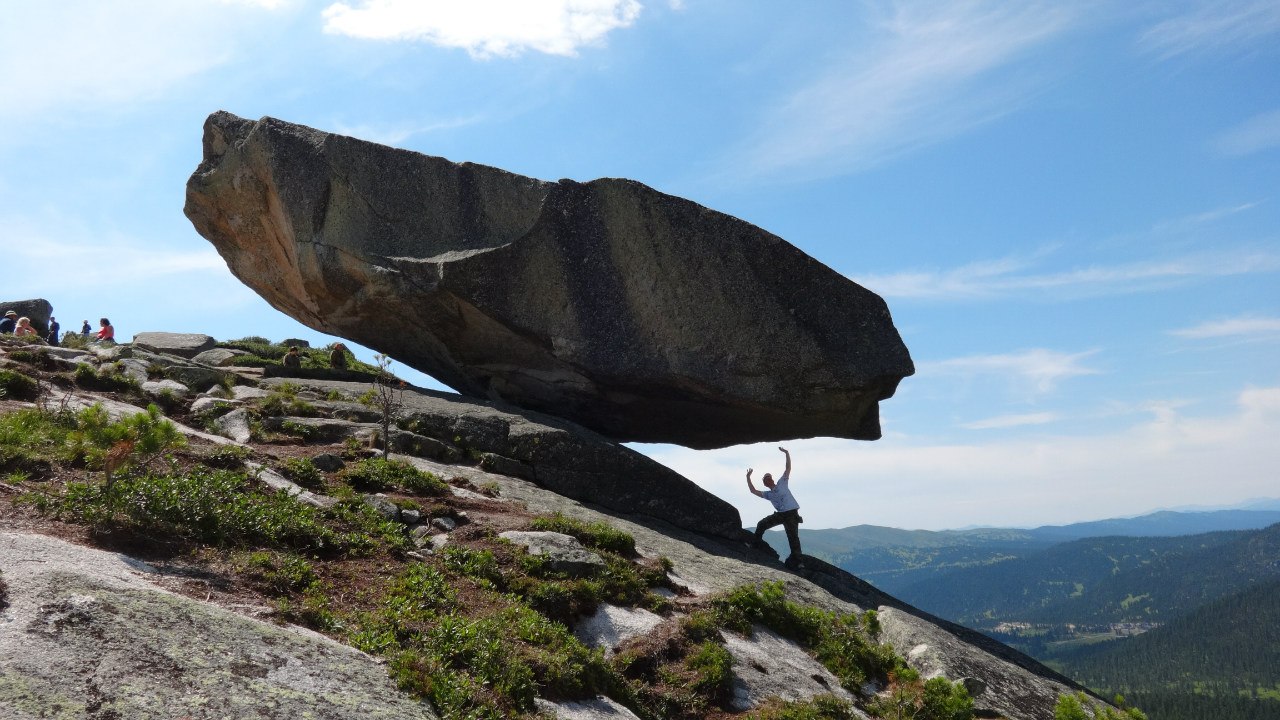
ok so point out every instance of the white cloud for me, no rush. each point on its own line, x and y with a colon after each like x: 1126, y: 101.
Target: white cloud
x: 1228, y: 25
x: 1232, y: 327
x: 486, y: 28
x: 1039, y: 370
x: 1167, y: 459
x: 1002, y: 422
x: 93, y: 55
x: 925, y: 77
x: 1258, y: 133
x: 997, y: 278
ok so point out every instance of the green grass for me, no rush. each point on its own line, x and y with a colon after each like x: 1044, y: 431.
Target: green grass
x: 374, y: 474
x: 598, y: 535
x: 17, y: 386
x: 214, y: 507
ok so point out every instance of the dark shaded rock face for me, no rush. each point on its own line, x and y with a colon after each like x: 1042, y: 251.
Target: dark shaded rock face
x: 37, y: 310
x: 640, y: 315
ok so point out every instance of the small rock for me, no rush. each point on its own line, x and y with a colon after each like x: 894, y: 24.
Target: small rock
x: 563, y: 553
x: 328, y: 462
x: 410, y: 517
x: 135, y: 369
x: 443, y: 523
x: 420, y: 535
x: 975, y: 686
x: 211, y: 405
x: 384, y: 506
x: 156, y: 388
x: 248, y: 392
x: 234, y: 425
x: 218, y: 357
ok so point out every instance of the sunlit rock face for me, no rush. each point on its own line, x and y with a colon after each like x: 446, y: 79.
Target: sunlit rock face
x: 640, y: 315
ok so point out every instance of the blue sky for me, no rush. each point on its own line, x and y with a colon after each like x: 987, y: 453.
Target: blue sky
x: 1071, y: 208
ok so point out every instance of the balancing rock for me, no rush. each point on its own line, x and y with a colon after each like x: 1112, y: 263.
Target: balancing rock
x: 643, y: 316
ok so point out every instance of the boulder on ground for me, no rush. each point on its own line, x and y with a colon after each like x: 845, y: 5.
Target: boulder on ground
x: 37, y: 310
x: 640, y: 315
x: 187, y: 345
x: 218, y: 357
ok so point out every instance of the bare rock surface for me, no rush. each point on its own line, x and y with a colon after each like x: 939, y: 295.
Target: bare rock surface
x: 87, y: 634
x: 562, y: 553
x: 187, y: 345
x: 554, y: 453
x: 768, y: 666
x: 643, y: 316
x: 611, y: 625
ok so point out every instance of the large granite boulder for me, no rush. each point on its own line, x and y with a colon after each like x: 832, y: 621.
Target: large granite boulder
x: 640, y: 315
x: 37, y: 309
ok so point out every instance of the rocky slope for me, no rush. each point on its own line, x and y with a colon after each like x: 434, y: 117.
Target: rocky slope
x: 155, y: 625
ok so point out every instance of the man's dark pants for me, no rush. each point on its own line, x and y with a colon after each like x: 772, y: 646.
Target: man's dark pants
x: 790, y: 521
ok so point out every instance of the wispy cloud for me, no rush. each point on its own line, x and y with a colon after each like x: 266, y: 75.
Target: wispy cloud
x: 1223, y: 25
x: 108, y: 261
x: 485, y: 28
x: 927, y: 75
x: 1008, y: 276
x: 1239, y: 327
x: 1201, y: 218
x: 1004, y: 422
x: 94, y: 55
x: 1039, y: 369
x: 1161, y: 460
x: 1258, y: 133
x: 398, y: 133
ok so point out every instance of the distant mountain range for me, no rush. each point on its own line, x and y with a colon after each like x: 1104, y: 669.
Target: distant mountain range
x: 894, y: 559
x: 1104, y: 580
x: 1177, y: 610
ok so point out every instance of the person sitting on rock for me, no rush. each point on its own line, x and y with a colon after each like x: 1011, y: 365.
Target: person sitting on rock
x: 9, y: 322
x: 338, y: 357
x: 292, y: 359
x: 24, y: 329
x: 106, y: 333
x: 787, y: 510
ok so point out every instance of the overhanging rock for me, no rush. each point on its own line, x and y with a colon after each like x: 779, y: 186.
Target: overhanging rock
x: 640, y: 315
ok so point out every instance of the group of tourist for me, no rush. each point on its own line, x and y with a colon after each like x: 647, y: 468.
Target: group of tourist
x: 11, y: 324
x: 337, y: 357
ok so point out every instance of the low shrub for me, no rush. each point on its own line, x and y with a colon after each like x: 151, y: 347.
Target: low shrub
x: 214, y: 507
x: 820, y: 707
x: 16, y: 386
x: 303, y: 472
x: 227, y: 457
x: 713, y: 665
x: 108, y: 378
x: 374, y: 474
x: 596, y: 535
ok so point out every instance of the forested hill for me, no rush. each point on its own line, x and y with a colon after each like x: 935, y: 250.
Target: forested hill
x: 1105, y: 580
x: 1221, y: 661
x: 893, y: 559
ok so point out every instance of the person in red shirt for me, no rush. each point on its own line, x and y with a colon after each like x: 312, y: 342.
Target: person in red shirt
x: 106, y: 332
